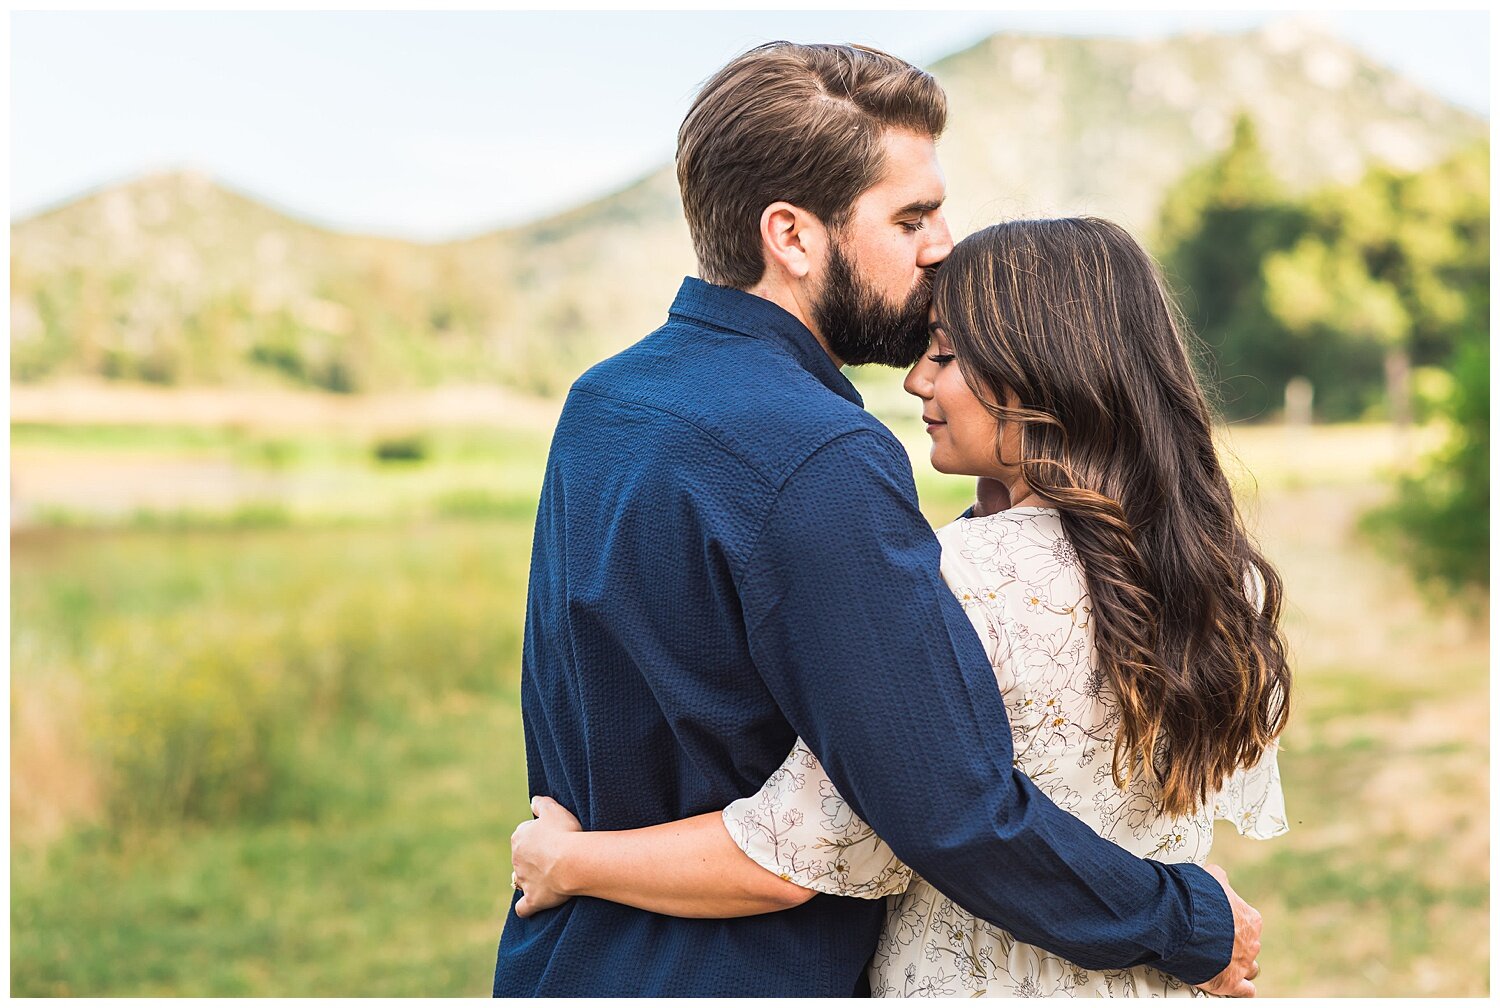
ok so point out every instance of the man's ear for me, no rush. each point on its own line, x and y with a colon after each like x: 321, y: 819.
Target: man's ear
x: 791, y: 239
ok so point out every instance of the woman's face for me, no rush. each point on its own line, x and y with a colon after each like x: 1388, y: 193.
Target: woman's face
x: 962, y: 430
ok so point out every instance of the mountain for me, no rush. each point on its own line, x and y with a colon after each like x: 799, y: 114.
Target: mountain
x: 176, y: 279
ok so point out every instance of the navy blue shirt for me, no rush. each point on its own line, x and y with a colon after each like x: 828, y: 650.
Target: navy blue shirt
x: 729, y: 554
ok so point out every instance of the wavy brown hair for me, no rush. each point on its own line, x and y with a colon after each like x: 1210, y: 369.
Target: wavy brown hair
x: 1072, y: 317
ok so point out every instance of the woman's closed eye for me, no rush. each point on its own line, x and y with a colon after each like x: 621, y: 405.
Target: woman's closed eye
x: 940, y: 358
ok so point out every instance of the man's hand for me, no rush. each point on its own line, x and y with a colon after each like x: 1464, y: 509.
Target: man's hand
x: 1244, y: 967
x: 990, y: 496
x: 537, y: 850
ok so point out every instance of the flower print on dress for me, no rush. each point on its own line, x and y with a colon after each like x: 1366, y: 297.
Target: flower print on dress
x: 1026, y: 987
x: 1040, y: 663
x: 1170, y: 841
x: 1048, y: 727
x: 1062, y: 796
x: 986, y: 548
x: 1138, y: 804
x: 1047, y: 558
x: 903, y: 929
x: 1034, y: 601
x: 837, y: 815
x: 786, y: 778
x: 1095, y: 685
x: 939, y: 984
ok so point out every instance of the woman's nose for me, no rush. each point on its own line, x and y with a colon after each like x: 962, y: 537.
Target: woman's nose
x: 918, y: 382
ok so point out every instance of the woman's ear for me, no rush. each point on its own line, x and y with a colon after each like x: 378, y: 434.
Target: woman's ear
x: 791, y: 239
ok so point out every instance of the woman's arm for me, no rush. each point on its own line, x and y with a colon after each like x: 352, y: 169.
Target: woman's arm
x: 688, y: 868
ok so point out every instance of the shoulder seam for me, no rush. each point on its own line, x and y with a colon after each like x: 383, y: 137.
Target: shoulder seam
x: 678, y: 416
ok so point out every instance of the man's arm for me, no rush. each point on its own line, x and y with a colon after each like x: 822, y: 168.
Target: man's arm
x: 876, y: 666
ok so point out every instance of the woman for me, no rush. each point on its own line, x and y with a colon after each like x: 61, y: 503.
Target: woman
x: 1131, y: 625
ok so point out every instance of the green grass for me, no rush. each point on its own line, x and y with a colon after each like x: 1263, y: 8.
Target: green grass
x: 402, y: 896
x: 307, y: 747
x: 282, y: 756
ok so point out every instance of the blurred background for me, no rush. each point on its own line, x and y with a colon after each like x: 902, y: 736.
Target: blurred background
x: 294, y: 301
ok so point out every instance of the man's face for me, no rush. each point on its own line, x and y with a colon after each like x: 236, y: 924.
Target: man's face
x: 877, y: 285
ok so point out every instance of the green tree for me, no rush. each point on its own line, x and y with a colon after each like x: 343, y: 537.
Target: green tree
x: 1218, y: 225
x: 1439, y: 522
x: 1389, y: 269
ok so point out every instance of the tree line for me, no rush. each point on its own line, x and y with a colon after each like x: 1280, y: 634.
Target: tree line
x: 1367, y: 301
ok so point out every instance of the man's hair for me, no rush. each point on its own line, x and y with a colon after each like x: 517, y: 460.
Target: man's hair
x: 796, y: 123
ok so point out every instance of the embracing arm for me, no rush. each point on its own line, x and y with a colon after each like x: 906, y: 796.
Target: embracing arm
x: 877, y: 667
x: 688, y: 868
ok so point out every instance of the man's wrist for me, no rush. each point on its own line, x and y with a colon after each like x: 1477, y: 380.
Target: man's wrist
x: 1209, y: 945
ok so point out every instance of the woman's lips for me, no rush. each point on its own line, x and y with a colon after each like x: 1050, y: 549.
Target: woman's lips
x: 932, y: 424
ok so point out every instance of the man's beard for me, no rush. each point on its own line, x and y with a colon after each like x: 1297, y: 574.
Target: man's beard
x: 861, y: 327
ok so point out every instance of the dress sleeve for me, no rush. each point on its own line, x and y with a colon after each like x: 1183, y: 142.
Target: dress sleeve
x: 799, y: 827
x: 1252, y: 799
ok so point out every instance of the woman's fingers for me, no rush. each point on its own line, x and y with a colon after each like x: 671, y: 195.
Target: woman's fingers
x: 546, y: 809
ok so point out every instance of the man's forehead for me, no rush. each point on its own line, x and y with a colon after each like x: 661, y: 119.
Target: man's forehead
x: 913, y: 180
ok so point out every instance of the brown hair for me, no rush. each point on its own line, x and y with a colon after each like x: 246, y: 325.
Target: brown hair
x: 795, y: 123
x: 1073, y: 318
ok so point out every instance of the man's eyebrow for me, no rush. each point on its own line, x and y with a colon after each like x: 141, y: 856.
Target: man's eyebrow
x: 919, y: 207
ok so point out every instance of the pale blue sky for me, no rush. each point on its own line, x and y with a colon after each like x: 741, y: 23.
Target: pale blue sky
x: 435, y: 125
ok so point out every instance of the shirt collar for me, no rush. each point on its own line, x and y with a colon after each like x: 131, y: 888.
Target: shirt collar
x: 754, y: 316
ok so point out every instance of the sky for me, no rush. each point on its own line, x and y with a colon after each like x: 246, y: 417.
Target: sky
x: 437, y: 125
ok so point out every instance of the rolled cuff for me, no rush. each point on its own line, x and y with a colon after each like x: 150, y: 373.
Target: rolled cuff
x: 1210, y: 942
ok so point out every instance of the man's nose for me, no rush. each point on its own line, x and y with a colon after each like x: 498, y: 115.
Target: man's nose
x: 941, y: 242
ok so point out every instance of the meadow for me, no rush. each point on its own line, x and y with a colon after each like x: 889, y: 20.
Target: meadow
x: 266, y: 739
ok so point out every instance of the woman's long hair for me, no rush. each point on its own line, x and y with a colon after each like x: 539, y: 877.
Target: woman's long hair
x: 1072, y: 317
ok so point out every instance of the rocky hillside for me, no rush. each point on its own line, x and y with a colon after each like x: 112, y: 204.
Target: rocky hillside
x: 177, y: 280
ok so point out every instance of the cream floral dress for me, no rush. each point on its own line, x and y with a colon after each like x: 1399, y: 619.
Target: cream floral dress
x: 1018, y: 578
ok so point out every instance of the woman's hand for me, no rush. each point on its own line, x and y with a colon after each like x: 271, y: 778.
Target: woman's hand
x: 538, y: 853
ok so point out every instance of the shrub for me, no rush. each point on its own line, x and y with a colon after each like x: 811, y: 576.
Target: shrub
x: 405, y: 448
x: 1439, y: 522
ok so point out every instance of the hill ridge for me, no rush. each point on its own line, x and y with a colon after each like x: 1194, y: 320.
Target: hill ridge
x: 197, y: 281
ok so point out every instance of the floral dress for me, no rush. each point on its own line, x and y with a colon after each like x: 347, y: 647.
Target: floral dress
x: 1018, y: 578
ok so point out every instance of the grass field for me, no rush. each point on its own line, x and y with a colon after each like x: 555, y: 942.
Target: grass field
x: 278, y: 752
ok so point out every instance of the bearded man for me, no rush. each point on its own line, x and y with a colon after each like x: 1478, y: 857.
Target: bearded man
x: 729, y: 554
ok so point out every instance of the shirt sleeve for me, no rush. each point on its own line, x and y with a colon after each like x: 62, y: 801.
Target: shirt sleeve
x: 799, y: 827
x: 876, y: 667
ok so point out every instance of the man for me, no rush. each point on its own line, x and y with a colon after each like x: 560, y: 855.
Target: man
x: 729, y: 554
